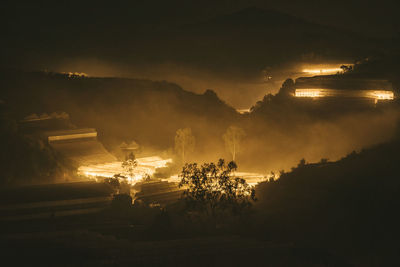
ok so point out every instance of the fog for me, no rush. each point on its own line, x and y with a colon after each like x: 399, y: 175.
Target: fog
x: 281, y: 147
x: 238, y: 88
x: 279, y: 132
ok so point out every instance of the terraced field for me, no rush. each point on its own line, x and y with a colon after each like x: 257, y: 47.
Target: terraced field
x: 84, y: 152
x: 49, y: 201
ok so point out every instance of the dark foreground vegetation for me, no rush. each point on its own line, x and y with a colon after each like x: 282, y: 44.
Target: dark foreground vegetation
x: 324, y: 214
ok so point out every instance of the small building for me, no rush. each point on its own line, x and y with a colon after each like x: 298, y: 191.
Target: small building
x: 80, y: 145
x: 131, y: 147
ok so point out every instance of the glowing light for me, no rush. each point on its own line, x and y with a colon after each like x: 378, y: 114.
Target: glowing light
x: 250, y: 177
x: 322, y: 71
x: 373, y: 94
x: 243, y: 111
x: 146, y: 166
x: 308, y: 93
x: 382, y: 95
x: 72, y: 136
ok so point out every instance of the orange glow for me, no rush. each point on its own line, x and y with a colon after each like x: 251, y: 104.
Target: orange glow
x: 72, y: 136
x: 322, y: 71
x: 382, y: 95
x: 374, y: 94
x: 250, y: 177
x: 308, y: 93
x: 243, y: 111
x: 146, y: 166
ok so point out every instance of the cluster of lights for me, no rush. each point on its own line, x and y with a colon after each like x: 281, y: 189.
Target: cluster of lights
x: 308, y: 93
x: 374, y: 94
x: 382, y: 95
x: 146, y: 166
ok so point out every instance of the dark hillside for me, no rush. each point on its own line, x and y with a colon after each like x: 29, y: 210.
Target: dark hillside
x: 27, y: 158
x: 120, y: 109
x: 348, y: 206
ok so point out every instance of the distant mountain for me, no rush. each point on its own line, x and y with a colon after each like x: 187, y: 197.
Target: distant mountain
x: 227, y: 53
x: 244, y: 41
x: 256, y: 37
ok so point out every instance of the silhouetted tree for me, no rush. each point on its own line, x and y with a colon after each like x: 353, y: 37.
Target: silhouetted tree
x: 129, y: 165
x: 232, y: 138
x: 287, y: 88
x: 324, y: 160
x: 213, y: 191
x: 302, y: 163
x: 184, y: 142
x: 346, y: 69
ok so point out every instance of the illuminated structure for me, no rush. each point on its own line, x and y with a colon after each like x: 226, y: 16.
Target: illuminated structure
x: 373, y: 94
x: 324, y: 69
x: 341, y: 86
x: 80, y: 145
x: 145, y: 166
x: 71, y: 135
x: 126, y: 149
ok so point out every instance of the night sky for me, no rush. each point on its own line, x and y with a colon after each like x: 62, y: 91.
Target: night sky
x: 375, y: 18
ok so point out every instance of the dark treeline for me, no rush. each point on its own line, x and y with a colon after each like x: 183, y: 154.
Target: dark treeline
x: 382, y: 66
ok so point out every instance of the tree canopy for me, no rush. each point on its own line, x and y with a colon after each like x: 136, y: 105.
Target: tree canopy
x: 129, y: 165
x: 212, y: 190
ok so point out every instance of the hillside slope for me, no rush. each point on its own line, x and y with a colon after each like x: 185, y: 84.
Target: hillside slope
x: 120, y: 109
x: 348, y: 206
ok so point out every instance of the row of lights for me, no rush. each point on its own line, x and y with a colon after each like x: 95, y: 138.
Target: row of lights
x: 375, y: 94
